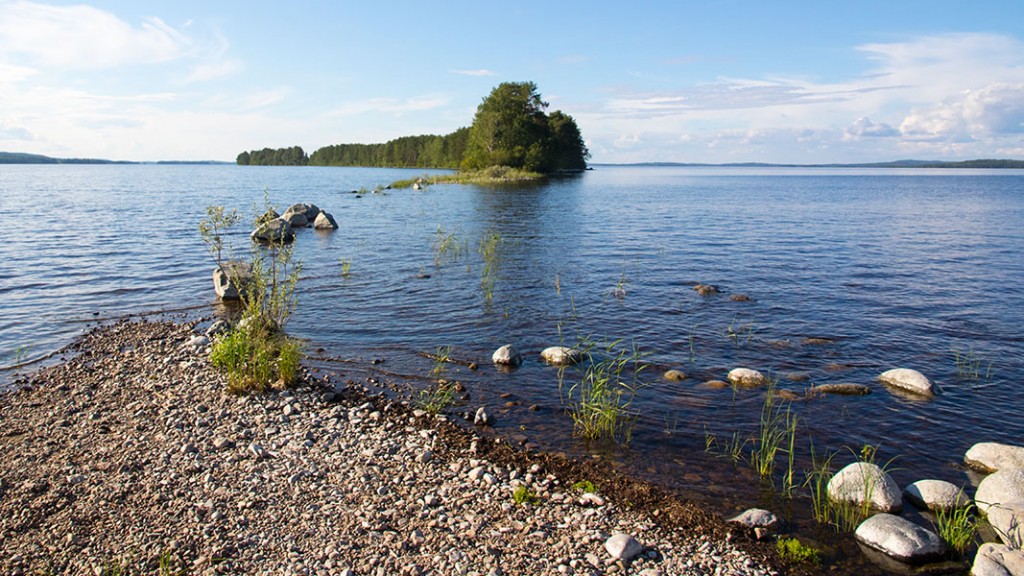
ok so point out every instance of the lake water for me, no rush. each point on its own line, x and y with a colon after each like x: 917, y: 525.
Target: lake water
x: 898, y: 268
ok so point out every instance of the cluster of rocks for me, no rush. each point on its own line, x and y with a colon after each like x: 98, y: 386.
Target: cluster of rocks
x: 132, y: 452
x: 275, y: 228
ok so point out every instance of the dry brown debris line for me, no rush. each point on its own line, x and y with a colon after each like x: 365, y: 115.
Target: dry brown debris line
x: 131, y: 452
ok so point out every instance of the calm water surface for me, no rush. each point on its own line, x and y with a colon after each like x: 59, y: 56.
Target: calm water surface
x: 897, y: 268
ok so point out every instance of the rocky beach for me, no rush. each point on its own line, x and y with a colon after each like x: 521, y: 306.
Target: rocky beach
x: 129, y: 457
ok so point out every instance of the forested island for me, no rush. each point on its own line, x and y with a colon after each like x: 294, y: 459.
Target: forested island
x: 511, y: 128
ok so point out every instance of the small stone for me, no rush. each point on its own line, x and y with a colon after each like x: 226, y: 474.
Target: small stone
x: 842, y: 389
x: 756, y: 517
x: 675, y: 375
x: 936, y: 495
x: 623, y: 547
x: 561, y: 355
x: 257, y: 451
x: 189, y: 448
x: 507, y: 355
x: 907, y: 380
x: 591, y: 499
x: 706, y: 289
x: 481, y: 418
x: 862, y: 480
x: 746, y: 378
x: 222, y: 443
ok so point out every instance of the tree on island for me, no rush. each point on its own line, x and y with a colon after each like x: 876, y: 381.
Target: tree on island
x: 511, y: 129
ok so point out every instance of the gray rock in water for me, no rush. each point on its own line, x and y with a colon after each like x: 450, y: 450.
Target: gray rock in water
x: 1008, y: 520
x: 900, y: 539
x: 325, y: 221
x: 864, y: 482
x: 746, y: 378
x: 623, y: 547
x: 301, y: 215
x: 507, y: 355
x: 1000, y: 488
x: 756, y: 518
x: 843, y: 389
x: 907, y: 380
x: 275, y: 231
x: 228, y: 277
x: 936, y: 495
x: 992, y: 456
x: 561, y: 355
x: 998, y: 560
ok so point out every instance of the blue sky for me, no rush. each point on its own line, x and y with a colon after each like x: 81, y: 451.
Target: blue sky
x: 711, y: 81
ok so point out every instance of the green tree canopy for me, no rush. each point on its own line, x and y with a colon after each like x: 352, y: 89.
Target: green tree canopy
x: 511, y: 129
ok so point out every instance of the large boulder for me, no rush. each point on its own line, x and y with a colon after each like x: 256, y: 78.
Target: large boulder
x: 990, y: 457
x: 936, y: 495
x: 997, y: 560
x: 324, y: 221
x: 746, y: 378
x: 900, y: 539
x: 862, y: 482
x: 507, y: 355
x: 301, y: 215
x: 1000, y: 488
x: 561, y: 355
x: 1007, y: 519
x: 229, y: 278
x: 274, y: 231
x: 907, y: 380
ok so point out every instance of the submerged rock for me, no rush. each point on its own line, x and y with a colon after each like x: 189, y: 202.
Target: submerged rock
x: 997, y: 560
x: 706, y: 289
x: 907, y: 380
x: 843, y: 389
x: 275, y: 231
x: 325, y: 221
x: 992, y: 456
x: 862, y: 482
x: 507, y: 355
x: 900, y: 539
x: 1000, y: 488
x: 561, y: 355
x: 675, y: 375
x: 936, y: 495
x: 747, y: 378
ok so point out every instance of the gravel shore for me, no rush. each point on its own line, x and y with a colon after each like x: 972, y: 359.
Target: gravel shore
x: 130, y: 454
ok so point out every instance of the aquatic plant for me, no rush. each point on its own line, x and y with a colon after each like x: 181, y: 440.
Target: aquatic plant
x: 558, y: 285
x: 969, y: 364
x: 776, y: 433
x: 447, y: 246
x: 346, y: 266
x: 599, y: 402
x: 441, y: 360
x: 437, y: 397
x: 957, y: 527
x: 620, y: 287
x: 793, y: 551
x: 490, y: 251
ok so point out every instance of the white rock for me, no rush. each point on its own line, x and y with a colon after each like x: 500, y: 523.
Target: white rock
x: 476, y: 473
x: 993, y: 456
x: 623, y: 547
x: 325, y: 221
x: 999, y: 488
x: 900, y: 539
x: 746, y: 377
x: 860, y: 482
x: 756, y: 517
x: 481, y: 418
x: 907, y: 380
x: 507, y: 355
x: 591, y: 499
x: 998, y: 560
x: 1008, y: 520
x: 198, y: 342
x: 936, y: 495
x: 561, y: 355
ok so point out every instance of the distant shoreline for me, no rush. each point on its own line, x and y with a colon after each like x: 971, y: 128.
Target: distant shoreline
x: 982, y: 163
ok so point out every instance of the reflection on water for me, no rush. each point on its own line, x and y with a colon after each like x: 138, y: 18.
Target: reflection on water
x: 893, y: 268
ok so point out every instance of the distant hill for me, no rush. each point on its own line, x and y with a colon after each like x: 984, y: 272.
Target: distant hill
x: 981, y: 163
x: 23, y: 158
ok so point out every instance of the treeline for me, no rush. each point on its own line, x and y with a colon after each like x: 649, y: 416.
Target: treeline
x: 426, y: 151
x: 294, y: 156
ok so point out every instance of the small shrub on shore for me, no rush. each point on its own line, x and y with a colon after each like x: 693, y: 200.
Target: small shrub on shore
x: 584, y: 486
x: 436, y: 398
x: 257, y: 362
x: 523, y: 495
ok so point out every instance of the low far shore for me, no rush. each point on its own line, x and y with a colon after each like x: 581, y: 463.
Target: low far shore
x: 130, y: 457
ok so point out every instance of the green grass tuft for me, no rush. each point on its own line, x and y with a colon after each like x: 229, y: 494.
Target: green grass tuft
x: 523, y: 495
x: 794, y: 551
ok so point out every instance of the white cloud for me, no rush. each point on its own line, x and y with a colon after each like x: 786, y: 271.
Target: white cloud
x: 390, y: 105
x: 863, y: 127
x: 84, y: 37
x: 479, y: 72
x: 992, y: 111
